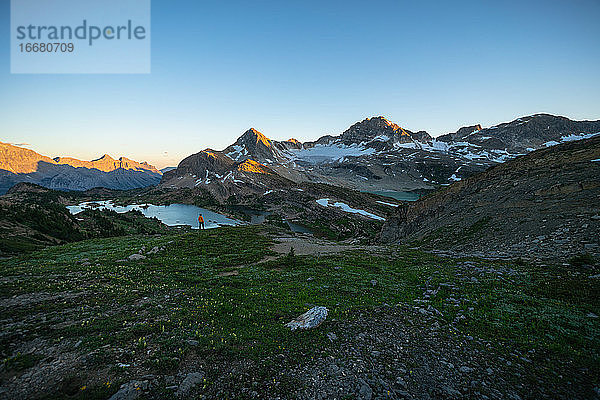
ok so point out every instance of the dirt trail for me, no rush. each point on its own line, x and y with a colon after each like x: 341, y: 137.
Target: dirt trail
x: 307, y: 245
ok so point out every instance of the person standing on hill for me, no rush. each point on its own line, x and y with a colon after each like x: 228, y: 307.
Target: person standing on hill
x: 200, y: 222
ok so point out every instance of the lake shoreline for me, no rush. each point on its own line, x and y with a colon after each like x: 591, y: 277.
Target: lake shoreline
x: 170, y: 215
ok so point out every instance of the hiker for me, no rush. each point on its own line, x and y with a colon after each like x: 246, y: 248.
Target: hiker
x: 200, y: 222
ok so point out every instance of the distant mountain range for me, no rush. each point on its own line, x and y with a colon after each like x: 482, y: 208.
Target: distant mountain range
x: 372, y: 155
x: 64, y: 173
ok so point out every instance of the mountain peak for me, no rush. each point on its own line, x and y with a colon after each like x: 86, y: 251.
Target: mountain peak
x: 380, y: 128
x: 105, y: 157
x: 253, y: 144
x: 384, y: 121
x: 256, y: 136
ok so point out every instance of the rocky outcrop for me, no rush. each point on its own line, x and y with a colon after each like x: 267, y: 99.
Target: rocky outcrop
x: 291, y: 144
x: 461, y: 134
x: 544, y: 204
x: 23, y: 165
x: 131, y: 390
x: 254, y: 167
x: 191, y: 380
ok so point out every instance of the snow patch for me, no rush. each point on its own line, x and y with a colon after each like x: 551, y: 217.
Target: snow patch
x: 581, y: 136
x: 412, y: 145
x: 335, y: 152
x: 381, y: 138
x: 571, y: 138
x: 237, y: 152
x: 387, y: 204
x: 439, y: 146
x: 551, y: 143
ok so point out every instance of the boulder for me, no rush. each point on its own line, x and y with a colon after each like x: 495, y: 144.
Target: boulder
x: 190, y: 381
x: 130, y: 391
x: 310, y: 319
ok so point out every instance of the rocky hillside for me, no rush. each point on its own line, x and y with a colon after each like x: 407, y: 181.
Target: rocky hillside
x: 544, y: 204
x: 23, y: 165
x: 376, y: 154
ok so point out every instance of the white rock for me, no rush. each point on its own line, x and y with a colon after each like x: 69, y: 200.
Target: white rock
x: 136, y: 257
x: 310, y: 319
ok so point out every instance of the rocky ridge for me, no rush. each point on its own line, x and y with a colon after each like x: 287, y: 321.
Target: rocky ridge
x: 65, y: 173
x: 107, y: 164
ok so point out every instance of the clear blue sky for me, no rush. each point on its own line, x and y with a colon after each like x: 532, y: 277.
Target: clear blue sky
x: 307, y: 68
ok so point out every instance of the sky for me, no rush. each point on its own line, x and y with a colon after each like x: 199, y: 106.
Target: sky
x: 304, y: 69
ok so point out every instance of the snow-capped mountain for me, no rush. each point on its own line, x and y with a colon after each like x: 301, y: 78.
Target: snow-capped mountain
x: 226, y: 172
x: 376, y: 154
x: 524, y: 134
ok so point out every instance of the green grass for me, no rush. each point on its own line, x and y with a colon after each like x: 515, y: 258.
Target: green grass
x: 177, y: 304
x: 17, y: 244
